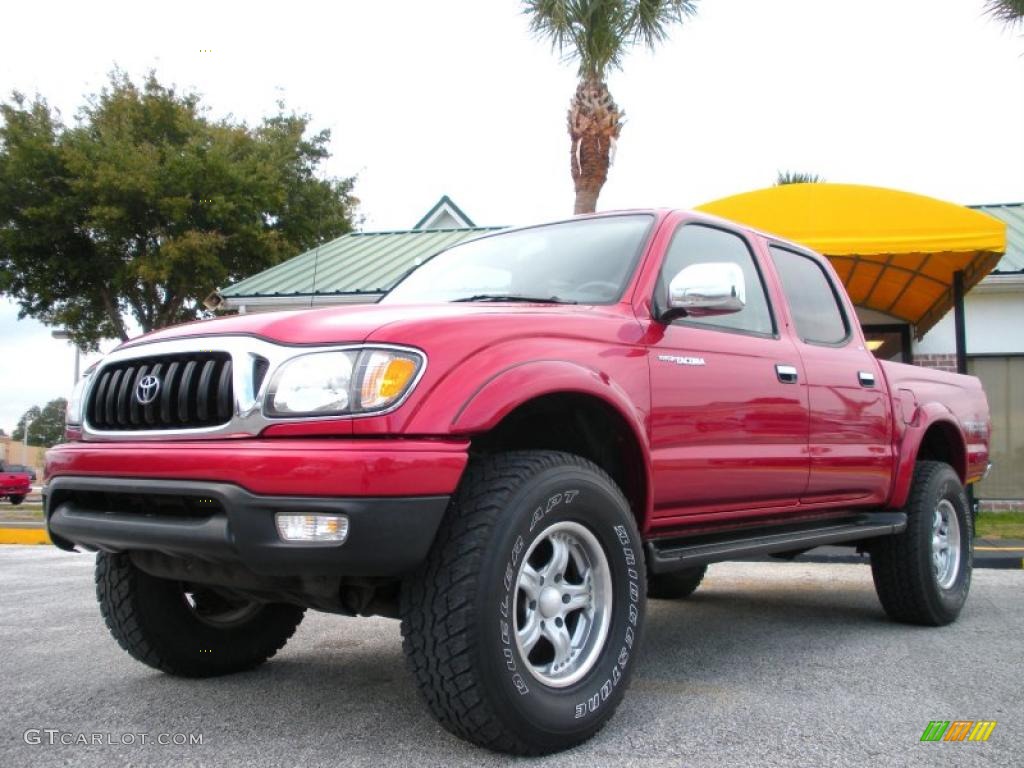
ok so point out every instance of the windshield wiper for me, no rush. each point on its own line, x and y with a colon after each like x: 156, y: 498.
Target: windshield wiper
x: 512, y: 297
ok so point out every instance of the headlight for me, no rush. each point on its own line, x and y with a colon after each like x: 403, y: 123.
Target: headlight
x: 344, y: 382
x: 73, y: 415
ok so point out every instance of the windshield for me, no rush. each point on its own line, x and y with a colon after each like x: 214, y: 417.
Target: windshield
x: 574, y: 262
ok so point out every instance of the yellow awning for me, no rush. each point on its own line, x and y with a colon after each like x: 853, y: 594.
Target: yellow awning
x: 896, y: 252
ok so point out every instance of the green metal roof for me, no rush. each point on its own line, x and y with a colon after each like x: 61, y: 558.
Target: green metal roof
x: 358, y: 262
x: 1012, y: 214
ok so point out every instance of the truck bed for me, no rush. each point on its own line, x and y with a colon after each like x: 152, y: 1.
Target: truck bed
x: 915, y: 388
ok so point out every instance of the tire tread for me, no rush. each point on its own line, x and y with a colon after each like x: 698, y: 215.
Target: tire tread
x: 675, y: 585
x: 118, y: 593
x: 896, y: 560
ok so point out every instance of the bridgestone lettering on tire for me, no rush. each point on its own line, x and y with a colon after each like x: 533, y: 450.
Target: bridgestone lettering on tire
x: 157, y: 622
x: 515, y: 691
x: 923, y: 575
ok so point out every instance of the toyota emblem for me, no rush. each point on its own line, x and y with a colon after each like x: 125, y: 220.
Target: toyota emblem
x: 147, y: 389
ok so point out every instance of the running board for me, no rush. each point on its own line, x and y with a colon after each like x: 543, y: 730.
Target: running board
x: 666, y: 555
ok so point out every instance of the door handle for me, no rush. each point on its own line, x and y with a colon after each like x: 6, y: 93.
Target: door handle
x: 866, y: 378
x: 787, y: 373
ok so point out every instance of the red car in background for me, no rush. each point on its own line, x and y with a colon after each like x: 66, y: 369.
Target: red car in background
x: 14, y: 486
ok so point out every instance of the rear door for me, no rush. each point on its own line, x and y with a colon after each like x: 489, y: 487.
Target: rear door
x: 729, y: 404
x: 850, y: 411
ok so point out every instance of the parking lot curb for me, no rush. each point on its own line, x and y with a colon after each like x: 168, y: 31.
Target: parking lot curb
x: 990, y: 554
x: 31, y: 535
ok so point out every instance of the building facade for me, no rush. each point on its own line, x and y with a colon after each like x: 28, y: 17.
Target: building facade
x: 994, y: 320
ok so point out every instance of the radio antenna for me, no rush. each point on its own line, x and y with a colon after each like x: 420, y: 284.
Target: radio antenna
x: 316, y: 256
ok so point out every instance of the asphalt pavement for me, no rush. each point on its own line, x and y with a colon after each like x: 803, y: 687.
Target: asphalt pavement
x: 768, y: 664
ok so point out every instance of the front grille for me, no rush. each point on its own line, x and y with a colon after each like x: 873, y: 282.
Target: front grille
x: 194, y: 390
x: 152, y: 505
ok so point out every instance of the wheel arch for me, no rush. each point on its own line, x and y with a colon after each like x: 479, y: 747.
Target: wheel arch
x: 936, y: 438
x: 553, y: 407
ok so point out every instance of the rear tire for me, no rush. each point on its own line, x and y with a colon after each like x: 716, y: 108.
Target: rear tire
x: 676, y: 585
x: 189, y: 632
x: 16, y: 500
x: 522, y: 626
x: 923, y: 575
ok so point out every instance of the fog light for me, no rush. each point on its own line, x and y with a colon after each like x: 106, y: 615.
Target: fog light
x: 314, y: 528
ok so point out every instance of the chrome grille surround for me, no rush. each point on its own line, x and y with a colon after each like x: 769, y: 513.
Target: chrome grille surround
x: 251, y: 358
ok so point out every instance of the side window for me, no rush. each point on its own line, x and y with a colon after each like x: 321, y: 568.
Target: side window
x: 812, y: 298
x: 698, y: 244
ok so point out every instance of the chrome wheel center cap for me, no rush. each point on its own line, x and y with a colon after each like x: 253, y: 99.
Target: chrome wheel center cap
x: 550, y: 602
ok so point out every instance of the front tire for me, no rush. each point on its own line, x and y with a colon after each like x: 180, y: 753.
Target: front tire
x: 522, y: 626
x: 923, y: 575
x: 16, y: 500
x: 187, y: 631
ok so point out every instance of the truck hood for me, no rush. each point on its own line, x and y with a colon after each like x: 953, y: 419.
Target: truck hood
x: 408, y: 323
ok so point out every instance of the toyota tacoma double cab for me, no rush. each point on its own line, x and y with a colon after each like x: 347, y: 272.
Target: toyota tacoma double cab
x: 14, y: 485
x: 531, y: 435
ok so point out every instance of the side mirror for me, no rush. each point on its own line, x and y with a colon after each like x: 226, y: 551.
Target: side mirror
x: 703, y: 290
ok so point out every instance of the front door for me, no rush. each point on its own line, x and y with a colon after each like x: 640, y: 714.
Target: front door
x: 729, y: 420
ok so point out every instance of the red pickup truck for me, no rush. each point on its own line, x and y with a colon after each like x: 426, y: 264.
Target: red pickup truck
x: 15, y: 486
x: 529, y: 436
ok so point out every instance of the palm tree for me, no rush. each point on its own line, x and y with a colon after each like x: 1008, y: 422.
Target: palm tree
x: 598, y: 33
x: 796, y: 177
x: 1009, y: 12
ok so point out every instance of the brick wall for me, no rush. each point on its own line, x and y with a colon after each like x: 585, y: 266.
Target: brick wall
x: 939, y: 362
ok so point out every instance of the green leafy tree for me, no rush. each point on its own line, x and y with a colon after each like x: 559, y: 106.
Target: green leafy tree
x: 145, y: 205
x: 597, y: 34
x: 796, y: 177
x: 47, y: 423
x: 1010, y: 12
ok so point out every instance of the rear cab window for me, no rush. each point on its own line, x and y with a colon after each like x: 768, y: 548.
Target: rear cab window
x: 814, y: 303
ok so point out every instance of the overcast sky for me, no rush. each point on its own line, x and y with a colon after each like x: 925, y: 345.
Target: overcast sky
x: 454, y: 97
